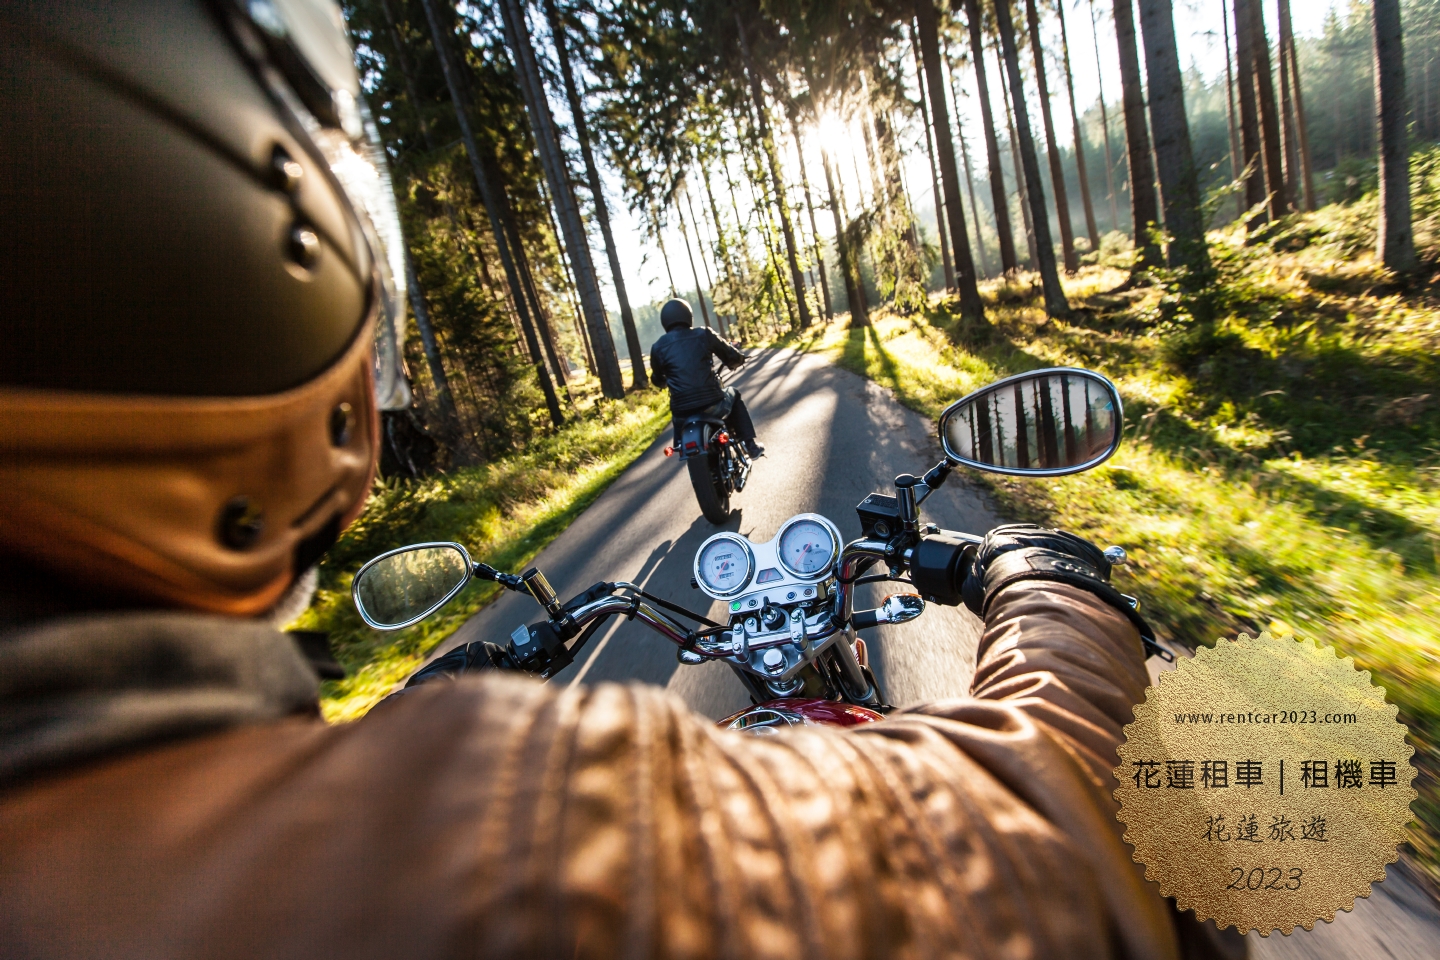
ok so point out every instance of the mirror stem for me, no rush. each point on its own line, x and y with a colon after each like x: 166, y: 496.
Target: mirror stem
x: 932, y: 481
x: 484, y: 571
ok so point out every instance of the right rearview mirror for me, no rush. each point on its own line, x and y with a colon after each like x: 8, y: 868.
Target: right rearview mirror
x: 405, y: 586
x: 1043, y: 423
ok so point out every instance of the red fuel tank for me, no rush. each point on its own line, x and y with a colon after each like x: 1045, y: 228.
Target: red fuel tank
x: 774, y: 715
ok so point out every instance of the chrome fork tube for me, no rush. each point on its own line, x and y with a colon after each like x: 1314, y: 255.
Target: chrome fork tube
x: 851, y: 676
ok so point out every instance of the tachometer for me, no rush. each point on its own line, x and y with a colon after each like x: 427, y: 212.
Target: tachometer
x: 807, y: 547
x: 723, y: 565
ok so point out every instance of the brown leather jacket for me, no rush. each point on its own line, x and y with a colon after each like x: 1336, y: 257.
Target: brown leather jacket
x: 497, y: 817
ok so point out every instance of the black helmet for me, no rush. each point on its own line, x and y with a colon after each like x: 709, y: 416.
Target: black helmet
x: 204, y: 294
x: 676, y: 313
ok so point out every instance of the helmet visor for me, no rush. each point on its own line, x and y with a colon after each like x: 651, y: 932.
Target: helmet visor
x: 359, y: 165
x: 307, y: 42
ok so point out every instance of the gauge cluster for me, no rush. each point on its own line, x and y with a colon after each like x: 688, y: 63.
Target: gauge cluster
x: 787, y: 569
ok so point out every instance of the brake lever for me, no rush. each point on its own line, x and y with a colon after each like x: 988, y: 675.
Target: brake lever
x: 602, y: 589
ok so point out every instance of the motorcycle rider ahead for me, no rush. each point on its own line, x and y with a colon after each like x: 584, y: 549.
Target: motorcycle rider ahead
x: 682, y: 361
x: 200, y: 329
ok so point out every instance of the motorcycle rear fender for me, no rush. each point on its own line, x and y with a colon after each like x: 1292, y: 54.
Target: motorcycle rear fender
x: 695, y: 438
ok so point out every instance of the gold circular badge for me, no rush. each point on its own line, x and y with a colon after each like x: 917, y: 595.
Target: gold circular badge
x: 1265, y: 783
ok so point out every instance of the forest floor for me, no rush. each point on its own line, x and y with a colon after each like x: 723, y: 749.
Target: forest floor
x: 1281, y: 465
x: 505, y: 511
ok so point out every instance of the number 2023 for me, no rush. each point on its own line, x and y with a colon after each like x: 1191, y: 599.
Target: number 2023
x: 1259, y: 878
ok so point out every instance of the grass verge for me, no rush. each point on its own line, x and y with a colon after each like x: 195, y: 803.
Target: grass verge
x: 504, y: 513
x: 1281, y: 467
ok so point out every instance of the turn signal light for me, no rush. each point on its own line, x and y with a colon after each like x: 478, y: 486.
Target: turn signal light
x: 723, y: 437
x: 669, y: 449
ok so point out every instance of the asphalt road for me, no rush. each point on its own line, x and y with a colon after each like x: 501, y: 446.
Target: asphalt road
x: 831, y: 438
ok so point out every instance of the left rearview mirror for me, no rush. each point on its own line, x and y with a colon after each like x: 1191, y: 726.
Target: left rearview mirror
x: 404, y: 586
x: 1043, y: 423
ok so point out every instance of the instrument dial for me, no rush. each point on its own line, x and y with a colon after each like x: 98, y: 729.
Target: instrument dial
x: 807, y: 547
x: 723, y: 566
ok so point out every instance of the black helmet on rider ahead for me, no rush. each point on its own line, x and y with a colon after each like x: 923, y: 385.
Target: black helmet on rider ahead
x: 676, y: 313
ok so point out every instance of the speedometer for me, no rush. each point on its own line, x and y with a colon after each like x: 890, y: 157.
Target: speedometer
x: 723, y: 565
x: 807, y: 547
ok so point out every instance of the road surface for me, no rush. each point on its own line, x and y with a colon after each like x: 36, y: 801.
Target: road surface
x: 833, y: 437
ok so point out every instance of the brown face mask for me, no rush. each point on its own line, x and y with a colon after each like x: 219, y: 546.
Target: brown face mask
x: 208, y: 504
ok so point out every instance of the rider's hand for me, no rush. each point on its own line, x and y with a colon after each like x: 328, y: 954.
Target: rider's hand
x: 471, y: 658
x: 1024, y: 551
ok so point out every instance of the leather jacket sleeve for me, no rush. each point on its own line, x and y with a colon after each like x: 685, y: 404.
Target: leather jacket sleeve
x: 495, y: 817
x: 722, y: 348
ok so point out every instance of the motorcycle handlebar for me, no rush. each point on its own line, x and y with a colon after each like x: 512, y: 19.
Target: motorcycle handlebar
x: 933, y: 563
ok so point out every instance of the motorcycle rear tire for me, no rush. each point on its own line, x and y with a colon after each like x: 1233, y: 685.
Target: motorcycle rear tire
x: 709, y: 487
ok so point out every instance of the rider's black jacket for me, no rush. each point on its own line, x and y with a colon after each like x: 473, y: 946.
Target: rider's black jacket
x: 680, y: 360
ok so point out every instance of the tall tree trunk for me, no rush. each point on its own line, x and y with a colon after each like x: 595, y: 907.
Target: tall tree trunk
x: 1302, y: 135
x: 1395, y: 244
x: 1057, y: 170
x: 1055, y: 303
x: 639, y: 378
x: 440, y: 36
x: 1290, y: 149
x: 810, y: 209
x: 974, y: 205
x: 1251, y: 143
x: 848, y: 270
x: 768, y: 145
x: 1021, y: 197
x: 1144, y: 205
x: 1090, y: 227
x: 1179, y: 180
x: 694, y: 273
x: 664, y: 254
x: 856, y: 254
x: 972, y: 308
x: 1105, y: 123
x: 576, y: 313
x: 547, y: 145
x: 965, y: 161
x: 709, y: 279
x: 444, y: 399
x: 877, y: 191
x: 532, y: 290
x: 726, y: 255
x: 1009, y: 263
x: 1235, y: 166
x: 1271, y: 149
x: 940, y: 230
x: 766, y: 209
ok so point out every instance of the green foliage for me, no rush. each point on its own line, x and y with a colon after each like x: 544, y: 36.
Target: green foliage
x: 451, y: 243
